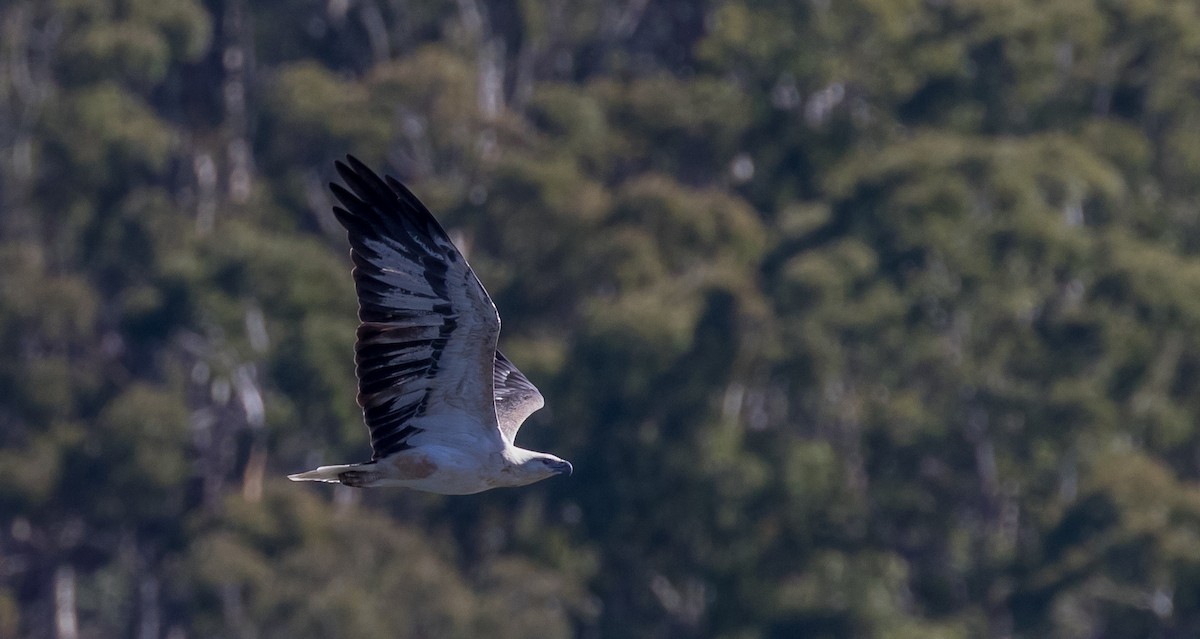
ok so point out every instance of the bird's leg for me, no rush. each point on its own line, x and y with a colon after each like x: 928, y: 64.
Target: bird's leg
x: 359, y: 478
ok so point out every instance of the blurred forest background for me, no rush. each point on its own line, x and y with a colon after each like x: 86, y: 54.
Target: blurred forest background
x: 858, y: 318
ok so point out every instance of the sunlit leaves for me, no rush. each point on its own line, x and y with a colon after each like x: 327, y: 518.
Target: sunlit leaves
x: 312, y: 110
x: 857, y: 318
x: 357, y: 572
x: 104, y: 132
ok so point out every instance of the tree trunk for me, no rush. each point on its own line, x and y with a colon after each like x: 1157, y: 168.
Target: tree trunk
x: 66, y: 621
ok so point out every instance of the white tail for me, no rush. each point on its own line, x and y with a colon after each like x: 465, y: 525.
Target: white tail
x: 324, y: 473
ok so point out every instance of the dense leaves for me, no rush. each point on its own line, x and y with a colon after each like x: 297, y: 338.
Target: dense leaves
x: 857, y: 318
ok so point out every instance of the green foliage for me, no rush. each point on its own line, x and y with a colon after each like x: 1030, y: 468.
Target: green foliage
x: 857, y: 319
x: 309, y: 110
x: 103, y: 133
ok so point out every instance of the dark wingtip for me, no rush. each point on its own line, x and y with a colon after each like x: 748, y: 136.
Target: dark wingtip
x: 364, y: 189
x: 343, y: 170
x: 364, y: 182
x: 348, y: 199
x: 343, y: 216
x: 398, y: 187
x: 358, y: 165
x: 349, y: 163
x: 363, y: 172
x: 392, y: 182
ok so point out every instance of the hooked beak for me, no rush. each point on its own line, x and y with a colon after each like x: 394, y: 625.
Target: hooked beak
x: 564, y: 468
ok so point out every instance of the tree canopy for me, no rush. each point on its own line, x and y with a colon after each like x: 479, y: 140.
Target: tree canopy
x: 867, y: 318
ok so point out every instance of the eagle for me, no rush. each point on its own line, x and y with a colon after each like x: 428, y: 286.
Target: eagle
x: 442, y: 404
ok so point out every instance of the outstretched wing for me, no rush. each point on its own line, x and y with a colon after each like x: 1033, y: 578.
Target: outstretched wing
x: 516, y: 397
x: 428, y: 334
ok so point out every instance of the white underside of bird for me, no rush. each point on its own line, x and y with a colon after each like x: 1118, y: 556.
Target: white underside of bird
x: 462, y: 467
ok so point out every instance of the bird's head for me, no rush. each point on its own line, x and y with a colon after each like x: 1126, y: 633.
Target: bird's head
x: 529, y: 466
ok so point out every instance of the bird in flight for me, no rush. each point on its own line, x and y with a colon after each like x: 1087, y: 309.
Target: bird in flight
x: 442, y: 404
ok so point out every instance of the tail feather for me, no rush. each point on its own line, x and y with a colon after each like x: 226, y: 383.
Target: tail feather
x: 329, y: 474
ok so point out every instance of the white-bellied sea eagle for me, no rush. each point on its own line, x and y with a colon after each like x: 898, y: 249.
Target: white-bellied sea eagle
x: 442, y: 404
